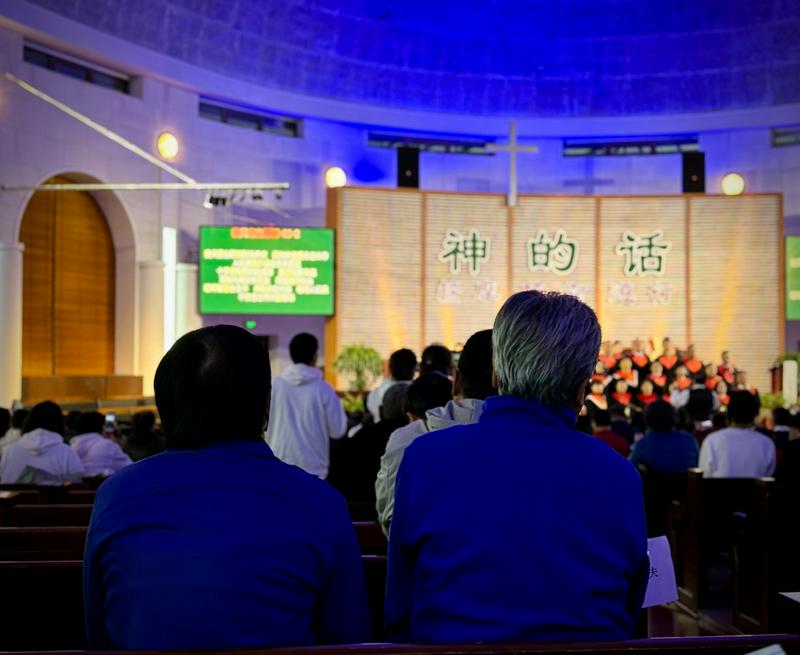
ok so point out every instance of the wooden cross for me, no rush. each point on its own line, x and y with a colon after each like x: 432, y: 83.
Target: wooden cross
x: 512, y: 149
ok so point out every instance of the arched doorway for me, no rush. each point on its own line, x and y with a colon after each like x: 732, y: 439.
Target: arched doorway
x: 68, y: 298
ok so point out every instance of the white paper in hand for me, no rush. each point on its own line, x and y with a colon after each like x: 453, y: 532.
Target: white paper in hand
x: 661, y: 587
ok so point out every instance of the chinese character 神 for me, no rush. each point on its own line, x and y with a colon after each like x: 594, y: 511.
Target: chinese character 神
x: 559, y: 255
x: 622, y: 293
x: 643, y: 256
x: 448, y: 292
x: 659, y: 294
x: 472, y: 249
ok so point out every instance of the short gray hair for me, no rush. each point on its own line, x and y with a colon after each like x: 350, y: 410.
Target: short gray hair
x: 545, y: 346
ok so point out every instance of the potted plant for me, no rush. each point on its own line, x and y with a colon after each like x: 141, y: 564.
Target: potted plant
x: 361, y: 363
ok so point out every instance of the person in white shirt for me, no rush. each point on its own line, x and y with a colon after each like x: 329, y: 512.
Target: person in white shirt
x: 40, y: 455
x: 305, y: 411
x: 15, y: 431
x: 738, y: 451
x: 473, y: 384
x: 402, y: 367
x: 100, y: 455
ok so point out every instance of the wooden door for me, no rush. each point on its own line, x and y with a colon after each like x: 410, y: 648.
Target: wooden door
x: 68, y: 286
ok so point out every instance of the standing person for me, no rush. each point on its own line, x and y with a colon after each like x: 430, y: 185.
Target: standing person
x: 727, y: 369
x: 305, y: 411
x: 402, y: 367
x: 693, y: 365
x: 467, y: 557
x: 738, y: 451
x: 15, y: 431
x: 436, y: 358
x: 40, y: 455
x: 215, y: 543
x: 462, y: 405
x: 99, y: 454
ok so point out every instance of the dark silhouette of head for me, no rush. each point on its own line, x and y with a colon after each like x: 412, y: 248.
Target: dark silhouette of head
x: 90, y: 422
x: 781, y: 416
x: 393, y: 405
x: 601, y: 419
x: 743, y: 408
x: 18, y: 419
x: 144, y: 423
x: 213, y: 385
x: 428, y: 391
x: 474, y: 377
x: 303, y: 349
x: 660, y: 416
x: 403, y: 364
x: 5, y: 420
x: 436, y: 359
x: 46, y: 416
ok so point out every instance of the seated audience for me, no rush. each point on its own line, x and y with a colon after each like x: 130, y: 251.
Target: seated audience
x: 355, y: 461
x: 464, y: 404
x: 402, y: 367
x: 738, y: 451
x: 781, y: 427
x: 601, y: 429
x: 663, y: 448
x: 15, y: 431
x: 99, y: 454
x: 518, y: 527
x: 145, y: 439
x: 436, y: 359
x: 40, y: 455
x: 305, y: 412
x: 216, y: 543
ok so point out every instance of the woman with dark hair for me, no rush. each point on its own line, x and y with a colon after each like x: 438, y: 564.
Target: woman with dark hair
x: 40, y: 455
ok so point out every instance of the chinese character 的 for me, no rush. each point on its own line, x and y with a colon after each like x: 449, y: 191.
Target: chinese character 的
x: 559, y: 255
x: 457, y: 249
x: 643, y: 255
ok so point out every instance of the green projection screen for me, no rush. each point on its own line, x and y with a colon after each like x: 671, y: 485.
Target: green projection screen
x: 266, y: 270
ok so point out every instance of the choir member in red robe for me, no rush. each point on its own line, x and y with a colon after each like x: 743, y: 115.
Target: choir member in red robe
x: 727, y: 369
x: 694, y: 365
x: 601, y: 373
x: 721, y: 395
x: 606, y: 356
x: 646, y: 394
x: 640, y: 359
x: 669, y: 360
x: 712, y: 379
x: 596, y: 398
x: 627, y: 372
x: 658, y: 378
x: 620, y: 399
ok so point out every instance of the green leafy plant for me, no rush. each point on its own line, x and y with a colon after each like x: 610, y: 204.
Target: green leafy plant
x: 772, y: 400
x: 353, y: 403
x: 787, y: 357
x: 361, y: 363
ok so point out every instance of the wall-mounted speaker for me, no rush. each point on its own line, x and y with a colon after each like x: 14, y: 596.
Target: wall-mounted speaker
x: 408, y: 167
x: 694, y: 172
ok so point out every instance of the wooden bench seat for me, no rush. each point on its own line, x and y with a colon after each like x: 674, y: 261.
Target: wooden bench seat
x: 47, y: 515
x: 42, y: 543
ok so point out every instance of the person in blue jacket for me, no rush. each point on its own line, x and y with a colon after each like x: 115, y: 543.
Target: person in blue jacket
x: 215, y: 543
x: 519, y: 527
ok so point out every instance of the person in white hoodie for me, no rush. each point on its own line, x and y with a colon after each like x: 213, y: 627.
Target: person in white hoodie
x: 15, y: 431
x: 305, y: 411
x: 473, y: 384
x: 100, y: 455
x: 40, y: 455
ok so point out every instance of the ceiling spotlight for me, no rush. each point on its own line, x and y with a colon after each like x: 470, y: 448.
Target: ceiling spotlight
x: 335, y: 177
x: 732, y: 184
x: 167, y: 145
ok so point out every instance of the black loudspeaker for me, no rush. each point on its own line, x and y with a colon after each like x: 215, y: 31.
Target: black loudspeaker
x: 694, y: 172
x: 408, y: 167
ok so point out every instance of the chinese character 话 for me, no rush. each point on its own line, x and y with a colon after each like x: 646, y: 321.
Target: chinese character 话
x: 643, y: 255
x: 559, y: 255
x: 457, y: 249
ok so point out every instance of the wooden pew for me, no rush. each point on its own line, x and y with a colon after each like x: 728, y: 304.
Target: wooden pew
x: 47, y: 515
x: 660, y: 491
x: 370, y: 537
x: 362, y: 511
x: 32, y: 494
x: 702, y: 525
x: 43, y: 606
x: 42, y: 543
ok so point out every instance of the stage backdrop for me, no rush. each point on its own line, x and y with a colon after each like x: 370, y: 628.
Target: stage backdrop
x: 415, y: 267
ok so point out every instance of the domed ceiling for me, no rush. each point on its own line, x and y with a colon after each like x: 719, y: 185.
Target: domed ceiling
x: 524, y: 58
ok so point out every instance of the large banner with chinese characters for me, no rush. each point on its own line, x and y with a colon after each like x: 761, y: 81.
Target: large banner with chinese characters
x: 415, y: 267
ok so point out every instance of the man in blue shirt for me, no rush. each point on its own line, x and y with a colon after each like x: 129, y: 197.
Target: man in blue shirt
x: 215, y: 543
x: 664, y: 449
x: 520, y: 528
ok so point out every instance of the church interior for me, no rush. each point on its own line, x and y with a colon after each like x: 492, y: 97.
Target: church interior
x: 385, y: 176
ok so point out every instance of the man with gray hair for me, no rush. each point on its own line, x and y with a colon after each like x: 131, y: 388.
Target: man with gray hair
x: 518, y: 527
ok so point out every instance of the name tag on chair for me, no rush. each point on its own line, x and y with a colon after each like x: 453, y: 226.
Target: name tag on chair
x: 661, y: 587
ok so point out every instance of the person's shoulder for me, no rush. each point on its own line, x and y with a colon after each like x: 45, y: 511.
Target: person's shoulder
x: 404, y: 435
x: 430, y: 447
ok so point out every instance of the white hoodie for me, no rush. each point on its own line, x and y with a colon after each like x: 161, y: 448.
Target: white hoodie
x: 456, y: 412
x: 99, y: 455
x: 304, y: 413
x: 40, y: 457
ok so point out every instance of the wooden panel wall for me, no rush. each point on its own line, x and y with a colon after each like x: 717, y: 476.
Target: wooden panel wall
x: 68, y: 287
